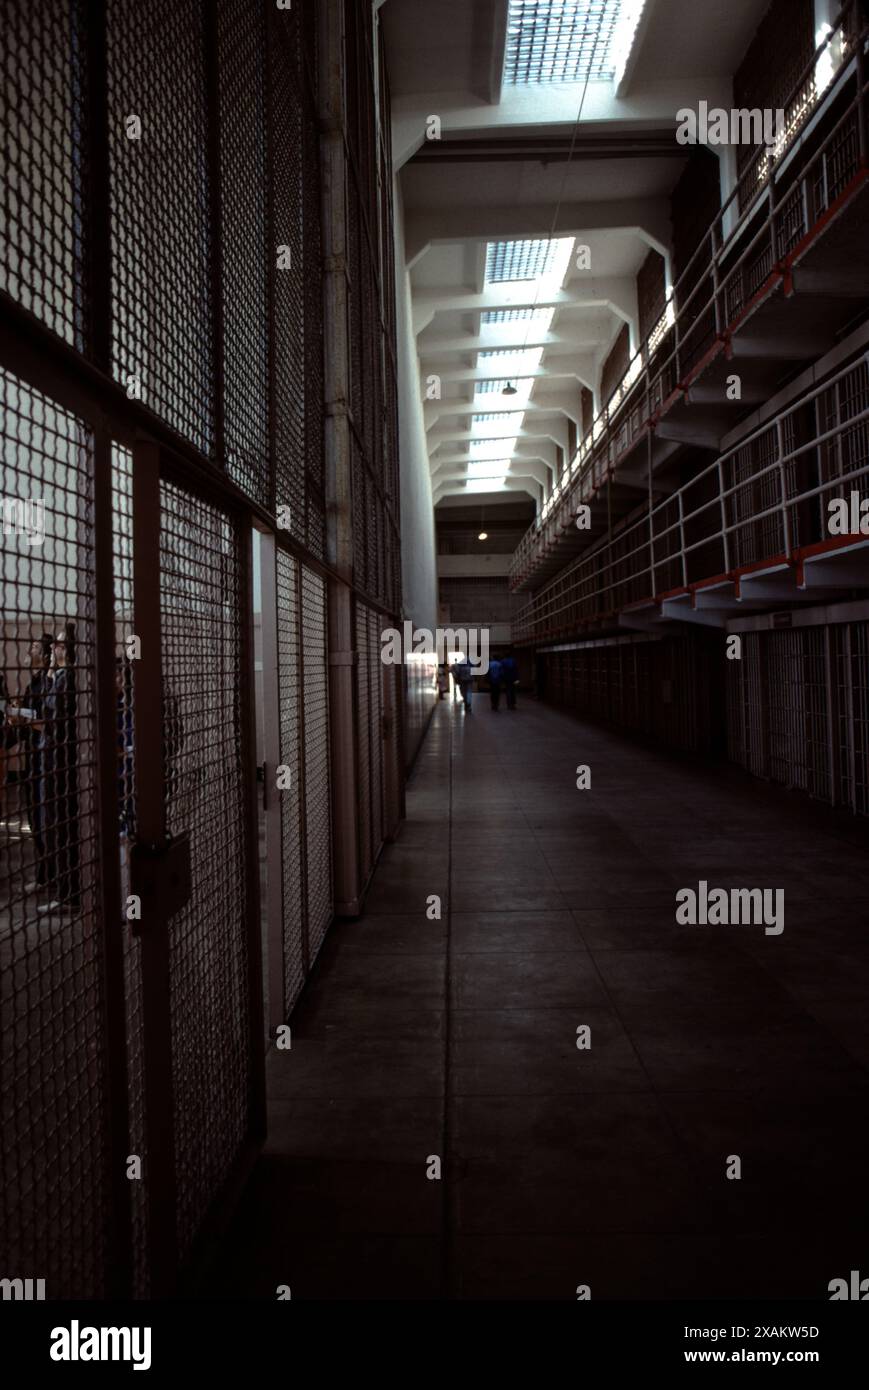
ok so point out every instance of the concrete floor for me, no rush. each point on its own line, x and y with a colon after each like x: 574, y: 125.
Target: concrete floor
x: 457, y: 1038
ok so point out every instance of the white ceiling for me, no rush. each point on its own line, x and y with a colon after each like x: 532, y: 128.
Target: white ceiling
x: 481, y: 183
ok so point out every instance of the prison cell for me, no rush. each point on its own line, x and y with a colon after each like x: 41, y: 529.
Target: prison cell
x: 169, y: 396
x: 797, y: 710
x: 662, y: 689
x: 55, y: 1205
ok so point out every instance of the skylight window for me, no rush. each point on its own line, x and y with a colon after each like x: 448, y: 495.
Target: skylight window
x: 511, y: 315
x: 561, y: 40
x: 519, y: 260
x: 486, y: 388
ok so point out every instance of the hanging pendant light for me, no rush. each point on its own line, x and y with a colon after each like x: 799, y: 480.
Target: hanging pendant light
x: 509, y: 390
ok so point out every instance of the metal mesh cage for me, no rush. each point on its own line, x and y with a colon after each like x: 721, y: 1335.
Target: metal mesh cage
x: 43, y: 164
x: 243, y: 248
x: 290, y: 387
x: 200, y: 600
x: 55, y: 1200
x: 162, y: 318
x: 289, y: 698
x: 318, y: 828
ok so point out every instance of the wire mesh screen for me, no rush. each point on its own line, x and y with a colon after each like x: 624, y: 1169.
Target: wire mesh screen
x: 43, y: 164
x: 363, y: 740
x: 314, y: 382
x: 243, y: 247
x: 375, y: 626
x: 162, y: 318
x: 287, y: 123
x: 318, y: 827
x: 122, y: 553
x: 376, y: 564
x: 54, y: 1203
x: 201, y: 600
x: 292, y: 834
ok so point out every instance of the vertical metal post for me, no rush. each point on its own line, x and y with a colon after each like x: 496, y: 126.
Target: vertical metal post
x: 271, y: 257
x: 771, y: 194
x: 725, y: 538
x: 719, y: 318
x: 832, y: 715
x: 151, y: 833
x: 839, y: 431
x: 861, y: 99
x: 682, y: 537
x: 652, y: 575
x: 848, y: 684
x: 786, y: 520
x: 253, y: 923
x: 97, y: 340
x: 212, y: 78
x: 111, y: 922
x: 339, y: 495
x: 272, y: 755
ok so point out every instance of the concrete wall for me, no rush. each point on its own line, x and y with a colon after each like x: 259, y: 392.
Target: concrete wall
x: 418, y: 549
x: 418, y: 557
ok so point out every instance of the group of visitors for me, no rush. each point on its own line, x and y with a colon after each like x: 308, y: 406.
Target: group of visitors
x: 503, y: 676
x: 41, y: 723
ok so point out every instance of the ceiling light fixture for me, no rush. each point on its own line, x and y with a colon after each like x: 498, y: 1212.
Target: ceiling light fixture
x: 483, y: 536
x: 509, y: 389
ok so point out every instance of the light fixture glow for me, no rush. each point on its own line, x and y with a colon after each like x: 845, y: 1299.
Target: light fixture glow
x: 483, y: 536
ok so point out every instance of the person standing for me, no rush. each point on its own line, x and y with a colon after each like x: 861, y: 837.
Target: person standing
x: 30, y: 734
x: 463, y: 673
x: 510, y: 677
x: 495, y: 683
x: 59, y: 780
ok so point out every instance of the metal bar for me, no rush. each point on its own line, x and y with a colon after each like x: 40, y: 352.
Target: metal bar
x: 303, y: 839
x: 98, y: 268
x: 850, y: 684
x: 212, y: 76
x: 151, y: 832
x: 272, y: 757
x: 338, y: 457
x: 785, y: 511
x: 682, y: 540
x: 110, y: 922
x: 247, y: 730
x: 271, y: 258
x: 832, y: 711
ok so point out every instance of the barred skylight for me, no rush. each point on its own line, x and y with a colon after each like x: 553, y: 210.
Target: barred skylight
x: 561, y: 40
x: 486, y: 388
x: 519, y: 260
x: 511, y: 315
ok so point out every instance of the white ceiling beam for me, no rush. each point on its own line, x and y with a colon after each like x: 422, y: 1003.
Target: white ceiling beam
x: 565, y: 401
x: 486, y: 341
x: 540, y: 427
x: 528, y: 106
x: 649, y: 217
x: 618, y: 292
x: 454, y: 488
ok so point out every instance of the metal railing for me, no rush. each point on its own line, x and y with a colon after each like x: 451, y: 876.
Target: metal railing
x: 776, y: 204
x: 759, y: 501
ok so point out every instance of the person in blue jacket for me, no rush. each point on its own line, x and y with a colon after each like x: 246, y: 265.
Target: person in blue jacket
x: 495, y: 683
x: 510, y: 677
